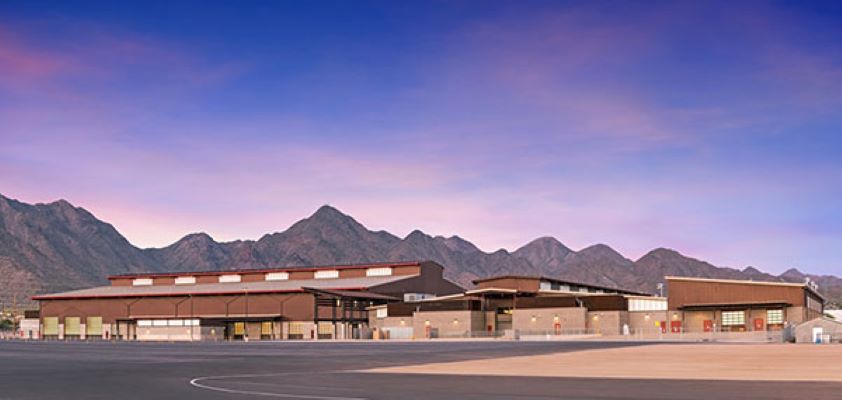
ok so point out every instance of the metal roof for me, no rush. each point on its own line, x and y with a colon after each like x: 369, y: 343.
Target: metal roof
x: 735, y: 304
x: 204, y: 289
x: 562, y: 281
x: 746, y: 282
x: 267, y: 270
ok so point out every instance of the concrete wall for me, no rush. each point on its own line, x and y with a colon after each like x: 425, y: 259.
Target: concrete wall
x: 447, y: 323
x: 804, y: 331
x: 570, y: 320
x: 607, y: 322
x: 644, y: 321
x: 168, y: 333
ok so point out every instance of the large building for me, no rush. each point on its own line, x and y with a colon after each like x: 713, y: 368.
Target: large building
x: 409, y: 300
x: 286, y: 303
x: 708, y: 305
x: 523, y: 305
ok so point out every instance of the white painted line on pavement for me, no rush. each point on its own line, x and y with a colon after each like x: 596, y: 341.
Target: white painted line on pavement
x: 195, y: 383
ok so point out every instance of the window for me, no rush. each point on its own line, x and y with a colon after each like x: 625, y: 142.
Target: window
x: 327, y: 274
x: 546, y: 285
x: 144, y: 322
x: 265, y: 328
x: 175, y: 322
x: 774, y: 317
x: 229, y: 278
x: 185, y: 280
x: 277, y: 276
x: 159, y: 322
x: 385, y: 271
x: 382, y: 312
x: 731, y: 318
x: 325, y: 328
x: 142, y: 282
x: 296, y: 328
x: 647, y: 305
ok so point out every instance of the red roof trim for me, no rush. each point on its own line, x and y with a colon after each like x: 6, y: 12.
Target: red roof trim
x: 264, y: 270
x: 179, y: 294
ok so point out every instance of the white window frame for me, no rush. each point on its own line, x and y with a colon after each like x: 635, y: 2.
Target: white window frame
x: 144, y: 322
x: 142, y: 282
x: 230, y: 278
x: 733, y: 318
x: 379, y: 271
x: 159, y: 322
x: 382, y: 312
x: 276, y: 276
x: 185, y: 280
x: 326, y: 274
x: 777, y: 319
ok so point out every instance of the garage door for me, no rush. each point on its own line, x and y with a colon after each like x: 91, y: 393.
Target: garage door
x: 93, y: 326
x: 50, y: 326
x: 72, y: 326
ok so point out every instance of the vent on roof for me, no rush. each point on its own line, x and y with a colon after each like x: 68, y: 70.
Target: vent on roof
x: 185, y: 280
x: 384, y: 271
x: 229, y: 278
x: 327, y: 274
x: 277, y: 276
x: 142, y: 282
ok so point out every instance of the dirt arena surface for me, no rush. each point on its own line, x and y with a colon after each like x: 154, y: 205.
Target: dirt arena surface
x: 745, y: 362
x: 331, y: 371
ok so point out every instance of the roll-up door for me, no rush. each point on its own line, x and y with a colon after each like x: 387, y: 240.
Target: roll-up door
x: 93, y: 326
x: 50, y: 326
x: 72, y: 326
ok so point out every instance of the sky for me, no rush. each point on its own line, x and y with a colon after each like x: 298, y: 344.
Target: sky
x: 711, y: 128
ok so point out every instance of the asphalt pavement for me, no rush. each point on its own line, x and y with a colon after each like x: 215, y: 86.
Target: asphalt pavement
x: 329, y: 371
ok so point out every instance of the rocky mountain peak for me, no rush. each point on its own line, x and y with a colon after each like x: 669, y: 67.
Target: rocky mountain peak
x: 457, y: 244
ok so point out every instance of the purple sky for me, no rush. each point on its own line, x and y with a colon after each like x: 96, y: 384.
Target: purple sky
x: 711, y: 129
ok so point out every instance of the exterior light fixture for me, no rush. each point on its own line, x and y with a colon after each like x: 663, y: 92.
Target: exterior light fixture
x: 403, y: 322
x: 455, y: 321
x: 555, y: 318
x: 534, y: 318
x: 427, y: 323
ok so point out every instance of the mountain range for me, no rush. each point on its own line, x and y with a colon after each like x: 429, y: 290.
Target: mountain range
x: 58, y: 246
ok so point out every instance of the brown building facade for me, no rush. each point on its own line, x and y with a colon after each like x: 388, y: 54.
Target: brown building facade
x: 521, y: 306
x: 710, y: 305
x: 292, y: 303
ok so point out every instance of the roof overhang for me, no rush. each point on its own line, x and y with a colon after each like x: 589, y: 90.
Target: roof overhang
x: 492, y: 291
x: 349, y: 294
x: 734, y: 305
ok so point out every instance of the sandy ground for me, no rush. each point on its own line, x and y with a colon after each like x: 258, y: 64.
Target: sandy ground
x: 767, y: 362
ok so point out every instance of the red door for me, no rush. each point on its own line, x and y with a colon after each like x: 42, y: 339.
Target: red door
x: 675, y: 326
x: 663, y: 326
x: 557, y: 328
x: 708, y: 325
x: 758, y: 324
